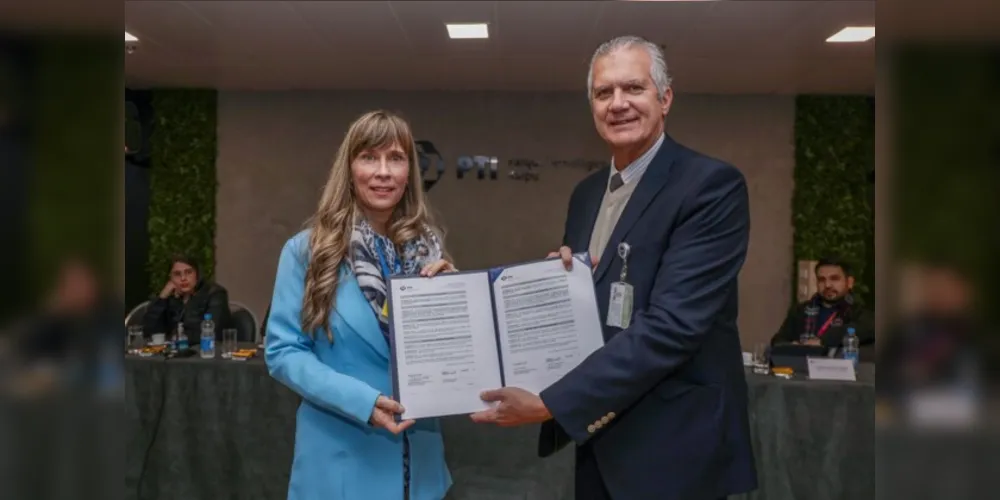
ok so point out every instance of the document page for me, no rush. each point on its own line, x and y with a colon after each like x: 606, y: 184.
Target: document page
x: 547, y: 319
x: 444, y: 343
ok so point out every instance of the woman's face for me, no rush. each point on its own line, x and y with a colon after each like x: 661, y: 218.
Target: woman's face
x: 380, y: 177
x: 184, y: 278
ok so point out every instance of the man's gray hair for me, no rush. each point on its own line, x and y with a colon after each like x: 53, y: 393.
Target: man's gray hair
x: 657, y: 70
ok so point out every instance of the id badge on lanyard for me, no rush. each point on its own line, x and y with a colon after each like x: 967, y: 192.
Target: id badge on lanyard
x: 620, y: 302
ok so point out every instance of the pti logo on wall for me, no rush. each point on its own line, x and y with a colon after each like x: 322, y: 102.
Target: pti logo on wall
x: 430, y: 159
x: 433, y: 165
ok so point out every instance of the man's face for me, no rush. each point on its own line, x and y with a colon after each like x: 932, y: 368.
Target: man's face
x: 832, y: 283
x: 184, y: 278
x: 627, y: 111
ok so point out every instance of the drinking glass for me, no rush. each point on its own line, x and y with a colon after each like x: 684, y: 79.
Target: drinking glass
x: 228, y: 342
x: 761, y: 359
x: 135, y: 339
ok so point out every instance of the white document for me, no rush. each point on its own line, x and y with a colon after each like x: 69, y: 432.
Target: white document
x: 456, y: 335
x: 547, y: 321
x: 945, y: 407
x: 831, y: 369
x: 444, y: 344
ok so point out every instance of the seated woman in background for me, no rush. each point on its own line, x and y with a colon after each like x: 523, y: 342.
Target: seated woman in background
x: 187, y: 298
x: 327, y: 331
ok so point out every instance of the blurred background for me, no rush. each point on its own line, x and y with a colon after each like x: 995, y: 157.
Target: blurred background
x: 233, y: 110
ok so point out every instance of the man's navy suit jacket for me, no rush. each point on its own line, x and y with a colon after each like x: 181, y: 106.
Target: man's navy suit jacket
x: 663, y: 405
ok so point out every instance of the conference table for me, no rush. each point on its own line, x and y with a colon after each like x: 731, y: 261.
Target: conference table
x: 223, y: 429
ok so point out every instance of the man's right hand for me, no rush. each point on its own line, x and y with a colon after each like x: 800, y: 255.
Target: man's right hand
x: 566, y: 255
x: 384, y: 416
x: 168, y: 290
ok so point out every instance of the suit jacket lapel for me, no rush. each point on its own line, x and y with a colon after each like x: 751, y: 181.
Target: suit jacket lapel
x: 651, y: 183
x: 357, y: 314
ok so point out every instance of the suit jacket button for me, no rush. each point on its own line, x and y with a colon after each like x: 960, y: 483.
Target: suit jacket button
x: 605, y: 420
x: 611, y: 415
x: 598, y: 424
x: 591, y: 429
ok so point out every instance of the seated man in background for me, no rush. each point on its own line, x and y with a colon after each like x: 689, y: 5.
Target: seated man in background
x: 825, y: 318
x: 60, y: 345
x: 939, y: 342
x: 187, y: 298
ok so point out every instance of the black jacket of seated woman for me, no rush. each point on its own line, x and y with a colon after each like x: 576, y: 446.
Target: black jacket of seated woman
x: 187, y: 298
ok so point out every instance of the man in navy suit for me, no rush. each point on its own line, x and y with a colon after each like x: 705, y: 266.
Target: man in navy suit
x: 659, y: 412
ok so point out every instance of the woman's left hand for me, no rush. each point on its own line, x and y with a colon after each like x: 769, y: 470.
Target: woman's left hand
x: 441, y: 266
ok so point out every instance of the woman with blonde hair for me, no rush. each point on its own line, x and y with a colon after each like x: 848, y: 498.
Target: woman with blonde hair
x: 327, y: 334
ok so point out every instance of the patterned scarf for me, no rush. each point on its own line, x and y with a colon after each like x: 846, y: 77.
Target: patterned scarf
x: 367, y: 267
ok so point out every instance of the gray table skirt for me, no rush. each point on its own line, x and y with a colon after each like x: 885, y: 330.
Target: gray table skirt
x: 225, y: 430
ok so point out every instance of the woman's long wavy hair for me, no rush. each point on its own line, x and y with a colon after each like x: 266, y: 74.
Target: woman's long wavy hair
x: 339, y: 210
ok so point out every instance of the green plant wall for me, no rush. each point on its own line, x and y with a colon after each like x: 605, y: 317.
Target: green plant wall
x: 869, y: 276
x: 74, y: 164
x: 947, y: 163
x: 183, y: 181
x: 831, y: 209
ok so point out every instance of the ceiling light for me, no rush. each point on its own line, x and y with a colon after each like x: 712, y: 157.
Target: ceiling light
x: 853, y: 34
x: 465, y: 31
x: 130, y: 38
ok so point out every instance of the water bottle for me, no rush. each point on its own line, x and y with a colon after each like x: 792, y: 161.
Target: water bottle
x: 182, y: 340
x: 812, y: 314
x: 851, y: 346
x: 208, y: 337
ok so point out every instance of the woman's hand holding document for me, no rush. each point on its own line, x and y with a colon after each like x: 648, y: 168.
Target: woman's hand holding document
x: 459, y: 334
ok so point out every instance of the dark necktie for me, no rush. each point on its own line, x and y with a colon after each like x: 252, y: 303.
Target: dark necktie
x: 616, y: 182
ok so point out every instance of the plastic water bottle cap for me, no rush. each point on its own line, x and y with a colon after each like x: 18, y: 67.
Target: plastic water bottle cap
x: 850, y: 331
x: 208, y: 316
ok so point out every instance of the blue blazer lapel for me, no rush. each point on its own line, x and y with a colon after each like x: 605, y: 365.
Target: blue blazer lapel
x: 353, y: 308
x: 650, y: 185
